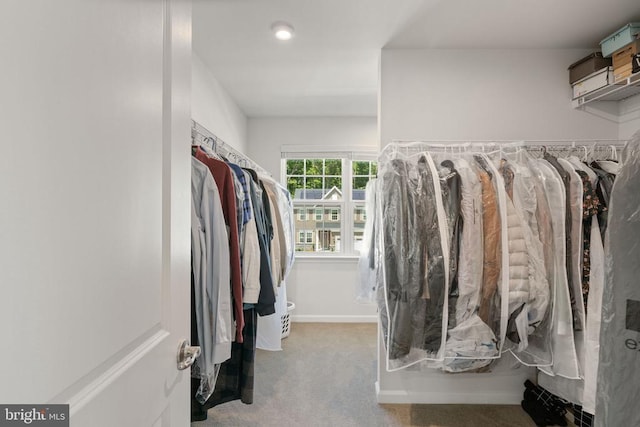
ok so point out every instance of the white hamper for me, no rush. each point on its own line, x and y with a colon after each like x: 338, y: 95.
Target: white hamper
x: 286, y: 319
x: 270, y: 327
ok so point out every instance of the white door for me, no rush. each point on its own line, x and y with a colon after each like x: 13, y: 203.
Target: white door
x: 94, y: 208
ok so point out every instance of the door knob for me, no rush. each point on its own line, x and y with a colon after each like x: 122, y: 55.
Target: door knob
x: 187, y: 354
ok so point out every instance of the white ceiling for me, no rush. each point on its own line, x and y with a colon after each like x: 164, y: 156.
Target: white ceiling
x: 330, y: 68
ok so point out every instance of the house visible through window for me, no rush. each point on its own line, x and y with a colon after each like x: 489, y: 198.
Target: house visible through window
x: 328, y: 197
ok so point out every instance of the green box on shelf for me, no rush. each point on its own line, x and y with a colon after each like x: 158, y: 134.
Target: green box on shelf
x: 620, y: 38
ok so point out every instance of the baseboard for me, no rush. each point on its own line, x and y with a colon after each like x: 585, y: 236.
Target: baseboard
x: 312, y: 318
x: 437, y: 397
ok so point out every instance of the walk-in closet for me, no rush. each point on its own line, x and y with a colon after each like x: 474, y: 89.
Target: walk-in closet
x: 319, y: 213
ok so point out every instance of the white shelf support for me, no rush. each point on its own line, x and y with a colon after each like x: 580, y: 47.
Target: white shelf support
x: 604, y: 102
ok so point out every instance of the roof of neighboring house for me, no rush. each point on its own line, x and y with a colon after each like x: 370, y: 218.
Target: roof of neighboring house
x: 317, y: 194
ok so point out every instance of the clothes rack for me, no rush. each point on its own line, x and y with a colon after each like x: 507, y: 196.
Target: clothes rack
x: 242, y: 232
x: 499, y: 386
x: 200, y: 135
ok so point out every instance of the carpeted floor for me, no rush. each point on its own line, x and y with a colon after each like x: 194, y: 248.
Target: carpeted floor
x: 326, y: 377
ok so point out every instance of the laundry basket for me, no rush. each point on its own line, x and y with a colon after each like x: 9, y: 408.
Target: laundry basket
x: 286, y: 319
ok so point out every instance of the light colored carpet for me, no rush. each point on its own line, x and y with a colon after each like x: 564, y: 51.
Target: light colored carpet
x: 325, y: 376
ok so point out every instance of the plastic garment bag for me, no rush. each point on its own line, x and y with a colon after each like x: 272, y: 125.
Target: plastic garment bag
x: 565, y: 361
x: 444, y: 297
x: 583, y: 391
x: 576, y: 204
x: 594, y: 301
x: 530, y: 303
x: 496, y: 260
x: 413, y: 302
x: 475, y: 284
x: 286, y: 210
x: 470, y: 254
x: 471, y: 343
x: 619, y: 370
x: 367, y: 263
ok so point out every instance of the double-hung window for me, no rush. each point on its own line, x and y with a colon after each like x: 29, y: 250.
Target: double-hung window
x: 328, y: 192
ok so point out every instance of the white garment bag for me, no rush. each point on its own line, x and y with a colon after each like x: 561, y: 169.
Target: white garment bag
x: 565, y: 359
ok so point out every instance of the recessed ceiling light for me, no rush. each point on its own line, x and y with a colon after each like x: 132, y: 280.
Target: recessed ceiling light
x: 282, y: 30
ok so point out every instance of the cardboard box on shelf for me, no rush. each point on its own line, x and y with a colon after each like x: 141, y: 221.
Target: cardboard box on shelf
x: 622, y: 72
x: 587, y: 65
x: 624, y: 55
x: 592, y: 82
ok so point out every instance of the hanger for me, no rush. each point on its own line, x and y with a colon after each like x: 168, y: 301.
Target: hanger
x: 480, y: 160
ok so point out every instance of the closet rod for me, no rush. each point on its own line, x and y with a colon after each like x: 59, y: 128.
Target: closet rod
x: 221, y: 147
x: 536, y: 142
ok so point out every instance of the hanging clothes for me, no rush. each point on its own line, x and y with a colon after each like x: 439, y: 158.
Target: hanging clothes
x: 224, y: 180
x: 524, y: 272
x: 368, y: 273
x: 211, y: 277
x: 251, y: 251
x: 489, y: 262
x: 266, y: 297
x: 620, y: 333
x: 528, y: 326
x: 236, y: 377
x: 233, y: 222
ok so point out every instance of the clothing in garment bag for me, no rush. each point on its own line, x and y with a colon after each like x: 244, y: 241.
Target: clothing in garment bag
x: 565, y: 359
x: 619, y: 370
x: 415, y: 262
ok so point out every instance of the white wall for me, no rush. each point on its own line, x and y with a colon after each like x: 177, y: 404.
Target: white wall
x: 214, y: 108
x: 477, y: 95
x: 322, y: 289
x: 629, y: 117
x: 483, y: 94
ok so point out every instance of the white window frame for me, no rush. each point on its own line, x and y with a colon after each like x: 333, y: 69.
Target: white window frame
x: 347, y: 205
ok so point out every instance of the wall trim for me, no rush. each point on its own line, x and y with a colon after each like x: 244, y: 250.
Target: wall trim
x: 483, y: 397
x: 350, y: 259
x: 312, y: 318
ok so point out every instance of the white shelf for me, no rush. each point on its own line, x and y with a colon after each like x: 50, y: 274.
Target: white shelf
x: 614, y: 92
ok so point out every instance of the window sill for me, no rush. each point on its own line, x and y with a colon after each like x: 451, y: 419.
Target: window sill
x: 323, y: 258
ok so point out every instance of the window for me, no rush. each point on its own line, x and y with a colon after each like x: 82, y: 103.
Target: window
x: 315, y: 179
x: 328, y: 191
x: 363, y: 171
x: 358, y: 226
x: 305, y: 241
